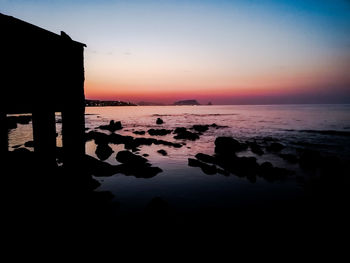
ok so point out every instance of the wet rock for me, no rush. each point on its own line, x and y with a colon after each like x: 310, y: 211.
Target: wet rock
x: 291, y: 158
x: 200, y: 128
x: 206, y: 168
x: 271, y: 173
x: 99, y: 168
x: 128, y: 141
x: 159, y: 132
x: 255, y: 148
x: 223, y: 172
x: 205, y: 158
x: 139, y: 170
x: 162, y: 152
x: 103, y: 151
x: 228, y: 145
x: 112, y: 127
x: 193, y: 162
x: 187, y: 135
x: 275, y: 147
x: 180, y: 130
x: 159, y: 121
x: 98, y: 137
x: 139, y: 132
x: 16, y: 146
x: 127, y: 157
x: 29, y: 144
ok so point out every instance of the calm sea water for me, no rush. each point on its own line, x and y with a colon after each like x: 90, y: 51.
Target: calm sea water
x: 187, y: 188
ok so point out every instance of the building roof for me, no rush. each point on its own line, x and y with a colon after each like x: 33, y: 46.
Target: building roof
x: 19, y: 26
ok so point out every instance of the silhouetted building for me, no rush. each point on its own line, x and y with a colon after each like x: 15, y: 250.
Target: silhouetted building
x: 43, y: 73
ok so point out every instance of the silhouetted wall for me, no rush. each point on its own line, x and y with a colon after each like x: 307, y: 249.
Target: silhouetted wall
x: 43, y: 73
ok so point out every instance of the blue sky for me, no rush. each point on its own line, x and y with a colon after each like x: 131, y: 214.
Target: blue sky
x: 162, y: 50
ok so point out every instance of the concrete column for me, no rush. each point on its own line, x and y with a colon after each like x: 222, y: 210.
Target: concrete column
x: 44, y: 134
x: 3, y: 134
x: 73, y: 135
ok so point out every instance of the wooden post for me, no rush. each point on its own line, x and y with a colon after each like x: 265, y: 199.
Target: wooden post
x: 44, y: 134
x: 3, y: 134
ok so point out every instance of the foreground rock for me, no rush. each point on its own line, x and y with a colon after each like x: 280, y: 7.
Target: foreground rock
x: 112, y: 127
x: 183, y: 133
x: 128, y: 141
x: 103, y: 151
x: 139, y: 132
x: 162, y: 152
x: 159, y: 132
x: 136, y: 165
x: 228, y: 145
x: 275, y: 147
x: 255, y: 148
x: 206, y: 168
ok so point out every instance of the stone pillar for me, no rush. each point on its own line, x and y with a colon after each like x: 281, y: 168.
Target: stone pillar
x: 44, y: 134
x: 3, y: 134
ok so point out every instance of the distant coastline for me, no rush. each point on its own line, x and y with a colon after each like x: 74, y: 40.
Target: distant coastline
x: 106, y: 103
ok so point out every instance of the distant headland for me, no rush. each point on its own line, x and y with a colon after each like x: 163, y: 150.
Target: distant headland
x: 186, y: 102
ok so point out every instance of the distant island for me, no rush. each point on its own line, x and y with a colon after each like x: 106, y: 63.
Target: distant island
x: 104, y: 103
x: 186, y: 102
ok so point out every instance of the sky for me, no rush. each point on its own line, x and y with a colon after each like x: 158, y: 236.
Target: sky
x: 225, y: 52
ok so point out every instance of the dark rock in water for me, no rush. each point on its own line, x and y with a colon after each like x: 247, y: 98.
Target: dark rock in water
x: 128, y: 141
x: 206, y: 168
x: 193, y: 162
x: 180, y: 130
x: 255, y: 148
x: 228, y: 145
x: 112, y: 127
x: 271, y: 173
x: 187, y: 135
x: 98, y: 137
x: 205, y: 158
x: 127, y: 157
x: 99, y: 168
x: 145, y: 154
x: 29, y: 144
x: 159, y: 132
x: 139, y: 132
x: 159, y: 121
x: 291, y: 158
x: 200, y: 128
x: 139, y: 170
x: 275, y: 147
x: 162, y: 152
x: 175, y: 145
x: 103, y: 151
x: 223, y: 172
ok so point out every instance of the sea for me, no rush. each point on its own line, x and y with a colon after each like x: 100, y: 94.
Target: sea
x: 323, y: 128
